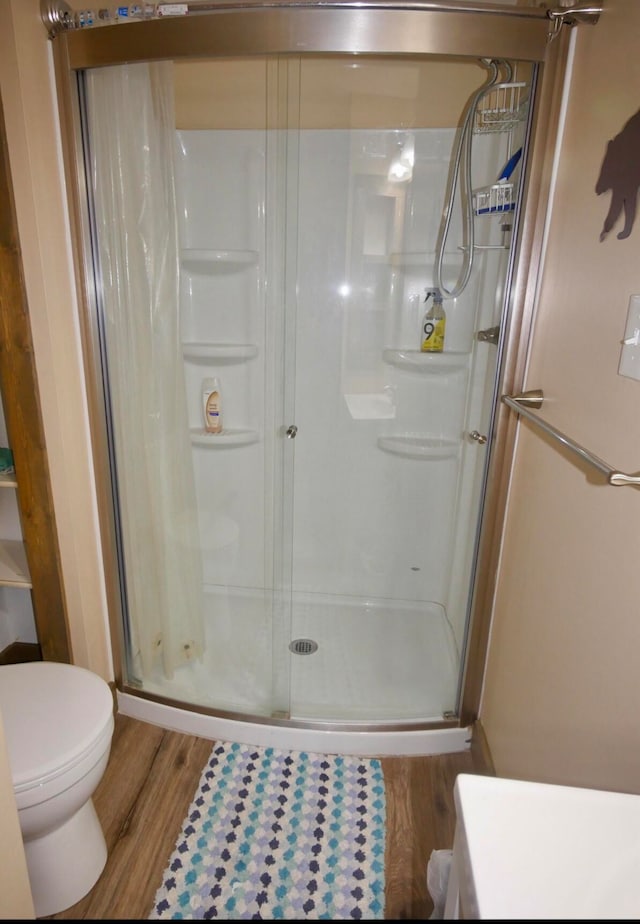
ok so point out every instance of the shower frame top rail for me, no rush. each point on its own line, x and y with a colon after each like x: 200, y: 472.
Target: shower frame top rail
x: 582, y: 12
x: 522, y: 405
x: 247, y: 27
x: 58, y: 15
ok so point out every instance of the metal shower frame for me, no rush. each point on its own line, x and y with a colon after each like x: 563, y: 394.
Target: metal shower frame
x: 412, y: 28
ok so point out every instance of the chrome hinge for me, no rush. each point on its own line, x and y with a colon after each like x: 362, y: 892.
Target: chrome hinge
x: 489, y: 335
x: 572, y: 15
x: 575, y: 13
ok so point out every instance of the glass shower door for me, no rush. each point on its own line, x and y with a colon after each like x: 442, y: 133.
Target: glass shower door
x: 327, y: 534
x: 391, y: 442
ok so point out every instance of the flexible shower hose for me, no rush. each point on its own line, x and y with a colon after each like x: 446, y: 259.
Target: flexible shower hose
x: 463, y: 154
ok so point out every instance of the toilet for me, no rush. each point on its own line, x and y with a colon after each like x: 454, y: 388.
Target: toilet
x: 58, y: 721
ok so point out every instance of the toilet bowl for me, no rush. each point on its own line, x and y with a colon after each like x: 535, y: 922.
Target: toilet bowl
x: 58, y: 721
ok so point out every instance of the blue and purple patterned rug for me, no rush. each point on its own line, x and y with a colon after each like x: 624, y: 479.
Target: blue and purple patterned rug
x: 279, y: 835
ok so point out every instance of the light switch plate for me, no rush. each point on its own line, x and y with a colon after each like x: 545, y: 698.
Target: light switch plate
x: 630, y: 353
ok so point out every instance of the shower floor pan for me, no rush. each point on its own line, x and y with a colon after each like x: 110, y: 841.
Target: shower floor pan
x: 378, y: 661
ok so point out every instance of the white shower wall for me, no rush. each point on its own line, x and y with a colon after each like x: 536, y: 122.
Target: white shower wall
x: 221, y: 184
x: 381, y: 458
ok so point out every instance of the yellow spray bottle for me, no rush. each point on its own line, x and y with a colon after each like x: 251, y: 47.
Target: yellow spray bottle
x: 433, y: 324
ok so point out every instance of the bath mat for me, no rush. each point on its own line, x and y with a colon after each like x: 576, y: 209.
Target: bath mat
x: 279, y: 835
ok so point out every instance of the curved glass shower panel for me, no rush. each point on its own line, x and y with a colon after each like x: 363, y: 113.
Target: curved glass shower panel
x: 388, y: 479
x: 205, y: 190
x: 327, y: 534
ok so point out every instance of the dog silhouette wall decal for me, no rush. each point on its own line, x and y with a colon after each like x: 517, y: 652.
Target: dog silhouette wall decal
x: 620, y: 172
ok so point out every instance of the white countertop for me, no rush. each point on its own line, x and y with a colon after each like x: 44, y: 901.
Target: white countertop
x: 535, y: 850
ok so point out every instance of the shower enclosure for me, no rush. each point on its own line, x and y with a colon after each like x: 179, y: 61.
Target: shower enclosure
x: 274, y: 220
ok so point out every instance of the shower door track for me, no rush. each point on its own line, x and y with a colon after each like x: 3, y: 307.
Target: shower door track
x: 299, y: 28
x: 365, y: 739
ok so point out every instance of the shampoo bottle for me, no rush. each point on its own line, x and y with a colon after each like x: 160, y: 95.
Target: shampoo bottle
x: 433, y: 324
x: 212, y: 406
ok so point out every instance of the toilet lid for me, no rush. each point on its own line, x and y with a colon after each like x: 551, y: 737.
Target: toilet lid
x: 52, y: 713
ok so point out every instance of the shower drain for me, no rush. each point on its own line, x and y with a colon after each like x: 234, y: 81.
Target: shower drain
x: 304, y: 646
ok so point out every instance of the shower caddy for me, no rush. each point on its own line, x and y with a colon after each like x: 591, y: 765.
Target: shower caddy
x: 502, y: 109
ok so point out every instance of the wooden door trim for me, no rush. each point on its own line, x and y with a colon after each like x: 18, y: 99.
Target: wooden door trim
x: 25, y: 431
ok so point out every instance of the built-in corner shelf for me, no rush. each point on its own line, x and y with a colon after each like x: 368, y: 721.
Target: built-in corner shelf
x: 219, y: 352
x: 216, y: 261
x: 224, y: 439
x: 411, y: 258
x: 430, y: 363
x: 14, y: 570
x: 420, y: 447
x: 375, y: 258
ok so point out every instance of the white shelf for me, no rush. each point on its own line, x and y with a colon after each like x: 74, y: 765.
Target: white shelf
x: 430, y: 363
x: 220, y: 352
x: 227, y: 437
x: 214, y: 261
x: 421, y: 258
x: 382, y: 258
x: 420, y: 447
x: 14, y: 570
x: 411, y: 258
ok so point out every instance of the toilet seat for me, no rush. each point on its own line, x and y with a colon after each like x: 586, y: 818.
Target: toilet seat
x: 57, y: 717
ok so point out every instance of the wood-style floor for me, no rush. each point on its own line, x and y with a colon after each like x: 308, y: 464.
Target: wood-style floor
x: 152, y: 777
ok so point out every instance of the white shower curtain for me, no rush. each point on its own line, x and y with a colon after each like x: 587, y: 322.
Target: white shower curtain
x: 132, y: 149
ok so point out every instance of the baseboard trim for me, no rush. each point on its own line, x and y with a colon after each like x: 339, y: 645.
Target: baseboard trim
x: 20, y: 652
x: 480, y: 748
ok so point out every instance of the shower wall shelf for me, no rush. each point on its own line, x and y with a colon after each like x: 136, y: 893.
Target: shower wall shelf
x: 420, y: 447
x: 479, y: 247
x: 375, y: 258
x: 14, y: 570
x: 411, y: 258
x: 429, y: 363
x: 420, y: 258
x: 224, y: 439
x: 215, y: 261
x: 221, y: 352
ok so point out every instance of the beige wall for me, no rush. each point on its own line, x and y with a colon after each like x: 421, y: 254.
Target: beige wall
x: 16, y: 902
x: 562, y: 687
x: 31, y: 120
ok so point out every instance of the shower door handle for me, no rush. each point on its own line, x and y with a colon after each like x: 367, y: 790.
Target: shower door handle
x: 292, y: 432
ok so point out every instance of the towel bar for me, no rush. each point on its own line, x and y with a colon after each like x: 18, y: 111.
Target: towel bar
x: 522, y: 405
